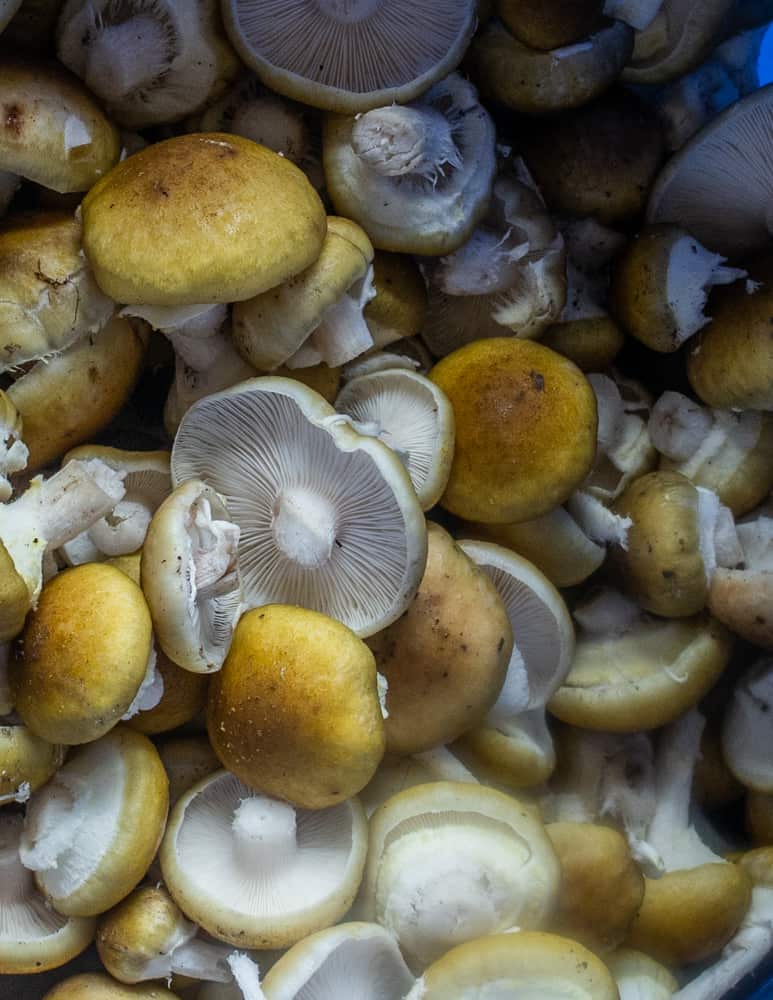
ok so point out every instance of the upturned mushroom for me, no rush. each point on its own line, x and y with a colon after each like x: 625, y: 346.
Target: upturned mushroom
x: 286, y: 872
x: 417, y: 177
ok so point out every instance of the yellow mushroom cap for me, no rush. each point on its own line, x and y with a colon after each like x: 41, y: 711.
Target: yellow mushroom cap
x: 26, y: 762
x: 525, y: 429
x: 85, y: 652
x: 295, y: 710
x: 400, y: 305
x: 257, y: 221
x: 55, y: 133
x: 97, y: 986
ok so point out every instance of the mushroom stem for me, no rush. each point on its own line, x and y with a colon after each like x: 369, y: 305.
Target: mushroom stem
x: 73, y: 499
x: 202, y: 960
x: 246, y: 975
x: 126, y: 57
x: 397, y: 141
x: 123, y: 529
x: 304, y: 526
x: 678, y: 426
x: 271, y: 122
x: 264, y: 832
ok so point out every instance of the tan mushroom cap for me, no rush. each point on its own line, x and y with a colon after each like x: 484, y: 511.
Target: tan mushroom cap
x: 25, y: 760
x: 295, y: 710
x: 98, y: 986
x: 689, y: 914
x: 48, y: 296
x: 257, y: 222
x: 85, y: 652
x: 534, y: 82
x: 445, y: 659
x: 15, y: 597
x: 400, y: 305
x: 645, y: 677
x: 592, y: 344
x: 186, y: 761
x: 601, y: 885
x: 525, y: 429
x: 185, y: 695
x: 73, y: 396
x: 550, y: 24
x: 270, y: 328
x: 54, y: 134
x: 527, y: 963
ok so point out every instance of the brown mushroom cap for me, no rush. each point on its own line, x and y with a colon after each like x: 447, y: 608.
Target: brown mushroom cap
x: 525, y: 429
x: 294, y: 712
x: 257, y: 222
x: 445, y: 659
x: 593, y: 343
x: 84, y: 655
x: 550, y: 24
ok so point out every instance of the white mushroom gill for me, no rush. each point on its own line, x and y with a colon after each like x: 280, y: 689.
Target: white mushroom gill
x: 679, y: 427
x: 24, y: 913
x: 150, y: 691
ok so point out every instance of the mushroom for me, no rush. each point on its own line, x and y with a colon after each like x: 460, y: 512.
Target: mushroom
x: 348, y: 59
x: 446, y: 658
x: 598, y: 161
x: 513, y: 740
x: 515, y: 402
x: 33, y: 936
x: 13, y: 451
x: 399, y: 308
x: 730, y: 363
x: 678, y: 536
x: 256, y: 872
x: 510, y: 274
x: 525, y: 963
x: 315, y: 501
x: 91, y: 832
x: 190, y: 577
x: 360, y: 959
x: 601, y: 885
x: 85, y: 652
x: 317, y: 315
x: 295, y: 711
x: 632, y: 671
x: 97, y: 986
x: 147, y: 63
x: 552, y: 24
x: 740, y: 597
x: 676, y: 40
x: 69, y: 398
x: 177, y: 697
x: 638, y: 976
x: 449, y: 862
x: 727, y: 451
x: 146, y: 480
x: 396, y: 773
x: 48, y: 296
x: 258, y: 222
x: 55, y: 134
x: 530, y: 81
x: 416, y: 177
x: 413, y: 417
x: 747, y: 736
x: 26, y: 761
x: 725, y: 164
x: 661, y: 285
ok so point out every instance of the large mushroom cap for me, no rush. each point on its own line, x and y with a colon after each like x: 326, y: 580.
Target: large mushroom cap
x: 719, y: 187
x: 329, y: 519
x: 256, y: 872
x: 257, y: 222
x: 354, y: 55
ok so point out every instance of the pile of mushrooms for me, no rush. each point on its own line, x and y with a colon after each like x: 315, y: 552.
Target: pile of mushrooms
x: 386, y: 499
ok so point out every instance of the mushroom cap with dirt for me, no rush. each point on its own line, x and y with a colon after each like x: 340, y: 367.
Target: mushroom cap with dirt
x: 295, y: 710
x: 446, y: 658
x: 353, y: 57
x: 55, y: 133
x: 258, y: 222
x: 525, y: 429
x: 91, y: 833
x: 417, y: 177
x: 255, y: 871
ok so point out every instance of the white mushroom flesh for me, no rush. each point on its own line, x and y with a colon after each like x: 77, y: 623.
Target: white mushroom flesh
x: 691, y: 273
x: 24, y: 913
x: 150, y: 691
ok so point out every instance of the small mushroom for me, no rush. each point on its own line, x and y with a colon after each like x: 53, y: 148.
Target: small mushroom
x: 147, y: 63
x: 515, y: 403
x: 258, y: 222
x: 190, y: 577
x: 328, y: 518
x: 413, y: 417
x: 355, y: 958
x: 524, y: 963
x: 449, y: 862
x: 295, y: 711
x: 348, y: 59
x: 256, y: 872
x: 446, y: 658
x: 662, y: 283
x: 741, y: 596
x: 26, y: 761
x: 90, y: 834
x: 33, y: 936
x: 416, y: 177
x: 530, y: 81
x: 54, y: 134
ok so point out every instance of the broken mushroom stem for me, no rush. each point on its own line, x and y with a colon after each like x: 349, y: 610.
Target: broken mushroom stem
x: 71, y: 500
x: 399, y: 140
x: 126, y: 56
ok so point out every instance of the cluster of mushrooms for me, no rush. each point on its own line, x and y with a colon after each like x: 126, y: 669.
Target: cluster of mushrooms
x: 386, y: 531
